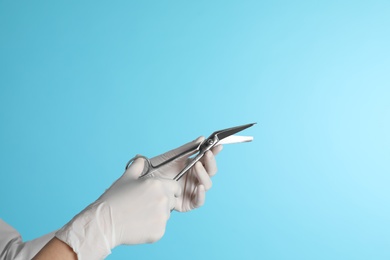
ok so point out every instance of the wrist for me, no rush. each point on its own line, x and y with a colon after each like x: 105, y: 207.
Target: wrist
x: 56, y: 249
x: 88, y: 233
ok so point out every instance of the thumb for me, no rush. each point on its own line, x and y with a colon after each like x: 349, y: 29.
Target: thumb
x: 137, y: 168
x: 187, y: 150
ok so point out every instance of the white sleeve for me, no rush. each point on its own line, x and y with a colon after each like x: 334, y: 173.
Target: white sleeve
x: 13, y: 248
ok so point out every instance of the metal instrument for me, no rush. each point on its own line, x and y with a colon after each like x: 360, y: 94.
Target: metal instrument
x: 225, y: 136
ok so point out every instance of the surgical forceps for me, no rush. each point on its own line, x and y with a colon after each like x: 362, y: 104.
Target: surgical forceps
x: 224, y: 136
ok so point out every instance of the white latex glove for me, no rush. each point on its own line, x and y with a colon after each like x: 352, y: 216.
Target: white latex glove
x: 196, y: 181
x: 131, y: 211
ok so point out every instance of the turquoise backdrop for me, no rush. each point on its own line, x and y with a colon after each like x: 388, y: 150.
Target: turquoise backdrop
x: 86, y: 85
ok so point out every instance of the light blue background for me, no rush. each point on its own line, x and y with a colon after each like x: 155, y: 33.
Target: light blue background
x: 85, y: 85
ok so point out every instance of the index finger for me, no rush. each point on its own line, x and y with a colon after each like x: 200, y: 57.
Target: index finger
x: 187, y: 150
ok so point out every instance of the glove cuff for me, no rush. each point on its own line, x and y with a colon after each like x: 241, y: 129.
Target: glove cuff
x: 86, y: 232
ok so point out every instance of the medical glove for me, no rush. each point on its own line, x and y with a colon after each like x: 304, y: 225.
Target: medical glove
x: 132, y: 211
x: 196, y: 181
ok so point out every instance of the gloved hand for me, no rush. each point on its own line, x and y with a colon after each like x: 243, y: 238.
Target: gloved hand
x: 196, y: 181
x: 131, y: 211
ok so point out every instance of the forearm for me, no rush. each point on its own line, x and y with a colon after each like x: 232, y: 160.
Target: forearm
x: 13, y: 247
x: 56, y: 249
